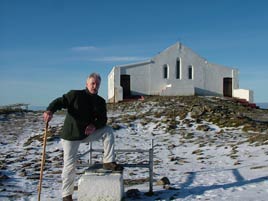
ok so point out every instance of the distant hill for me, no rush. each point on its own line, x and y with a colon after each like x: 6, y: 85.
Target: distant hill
x: 37, y: 108
x: 262, y: 105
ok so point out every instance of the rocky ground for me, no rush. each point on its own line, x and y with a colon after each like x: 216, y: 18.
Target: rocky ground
x: 219, y: 111
x: 194, y: 121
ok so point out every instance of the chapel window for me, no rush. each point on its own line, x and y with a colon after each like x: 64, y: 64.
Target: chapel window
x: 178, y: 69
x: 165, y: 71
x: 190, y: 72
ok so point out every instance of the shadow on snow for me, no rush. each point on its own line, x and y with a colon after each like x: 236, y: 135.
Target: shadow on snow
x: 186, y: 190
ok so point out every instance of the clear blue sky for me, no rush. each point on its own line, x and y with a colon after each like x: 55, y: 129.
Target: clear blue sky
x: 49, y: 47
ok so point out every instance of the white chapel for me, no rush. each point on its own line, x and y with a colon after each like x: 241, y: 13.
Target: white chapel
x: 176, y: 71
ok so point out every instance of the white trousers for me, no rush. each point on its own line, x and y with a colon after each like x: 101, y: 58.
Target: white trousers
x: 70, y: 149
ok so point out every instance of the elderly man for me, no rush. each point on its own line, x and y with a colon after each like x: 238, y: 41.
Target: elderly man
x: 85, y: 121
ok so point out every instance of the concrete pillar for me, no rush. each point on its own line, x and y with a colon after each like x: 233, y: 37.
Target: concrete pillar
x: 96, y: 185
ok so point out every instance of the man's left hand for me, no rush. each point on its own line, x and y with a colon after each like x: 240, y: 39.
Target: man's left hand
x: 90, y: 129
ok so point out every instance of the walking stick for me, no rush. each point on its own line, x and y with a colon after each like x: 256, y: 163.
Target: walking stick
x: 43, y: 161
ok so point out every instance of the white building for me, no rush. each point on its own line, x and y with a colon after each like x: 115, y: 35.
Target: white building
x: 176, y: 71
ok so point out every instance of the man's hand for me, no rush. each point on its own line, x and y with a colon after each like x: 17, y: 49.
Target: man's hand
x: 47, y: 116
x: 90, y: 129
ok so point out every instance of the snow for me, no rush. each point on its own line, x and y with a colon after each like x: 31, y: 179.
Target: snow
x: 215, y: 165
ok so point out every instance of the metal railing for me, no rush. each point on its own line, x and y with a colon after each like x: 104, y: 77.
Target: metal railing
x: 148, y: 165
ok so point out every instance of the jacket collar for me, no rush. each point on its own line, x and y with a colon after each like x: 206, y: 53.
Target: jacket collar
x: 87, y: 92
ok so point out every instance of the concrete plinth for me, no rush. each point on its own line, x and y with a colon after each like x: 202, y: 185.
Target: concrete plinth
x: 98, y: 184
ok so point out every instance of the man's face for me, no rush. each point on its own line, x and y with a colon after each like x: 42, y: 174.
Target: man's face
x: 93, y: 85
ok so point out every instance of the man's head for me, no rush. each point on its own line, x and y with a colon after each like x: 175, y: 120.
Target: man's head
x: 93, y: 83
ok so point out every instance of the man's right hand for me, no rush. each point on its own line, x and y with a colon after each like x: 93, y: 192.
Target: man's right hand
x: 47, y: 116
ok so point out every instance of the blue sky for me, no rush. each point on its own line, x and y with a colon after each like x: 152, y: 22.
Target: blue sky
x: 49, y: 47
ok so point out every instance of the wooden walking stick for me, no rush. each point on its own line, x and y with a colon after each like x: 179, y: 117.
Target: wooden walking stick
x: 43, y: 161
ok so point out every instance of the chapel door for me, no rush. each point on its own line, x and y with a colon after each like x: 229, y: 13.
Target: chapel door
x: 227, y: 87
x: 125, y: 84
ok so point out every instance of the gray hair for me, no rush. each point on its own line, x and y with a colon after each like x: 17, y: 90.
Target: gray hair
x: 95, y: 76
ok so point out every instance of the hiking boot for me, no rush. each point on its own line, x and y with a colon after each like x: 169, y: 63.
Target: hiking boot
x: 67, y: 198
x: 112, y: 166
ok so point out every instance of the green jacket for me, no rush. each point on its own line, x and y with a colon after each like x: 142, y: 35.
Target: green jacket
x: 83, y: 109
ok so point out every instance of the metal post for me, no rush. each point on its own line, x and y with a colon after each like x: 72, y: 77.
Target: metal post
x: 151, y: 167
x: 90, y: 153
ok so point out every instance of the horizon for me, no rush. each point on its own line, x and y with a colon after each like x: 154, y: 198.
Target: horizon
x: 43, y: 107
x: 48, y: 48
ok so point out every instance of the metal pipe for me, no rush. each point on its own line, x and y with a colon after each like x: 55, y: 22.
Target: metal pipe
x: 151, y: 166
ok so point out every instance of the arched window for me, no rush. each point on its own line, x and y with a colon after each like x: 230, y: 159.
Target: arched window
x: 178, y: 68
x: 165, y: 71
x: 190, y: 72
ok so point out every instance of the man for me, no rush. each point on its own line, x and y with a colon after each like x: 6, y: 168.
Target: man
x: 85, y: 121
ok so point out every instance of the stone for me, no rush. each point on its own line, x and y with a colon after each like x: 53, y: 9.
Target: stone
x: 133, y: 193
x: 163, y: 181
